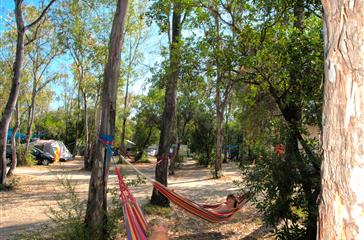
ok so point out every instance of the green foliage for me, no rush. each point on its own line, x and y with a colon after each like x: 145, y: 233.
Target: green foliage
x: 69, y: 213
x: 25, y: 159
x: 10, y: 184
x: 147, y: 118
x: 279, y: 191
x: 115, y: 226
x: 151, y: 209
x: 144, y: 158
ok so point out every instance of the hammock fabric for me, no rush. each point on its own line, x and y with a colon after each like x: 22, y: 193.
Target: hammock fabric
x: 203, y: 211
x: 135, y: 223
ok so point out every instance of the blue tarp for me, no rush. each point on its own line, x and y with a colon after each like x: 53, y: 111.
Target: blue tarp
x: 10, y: 131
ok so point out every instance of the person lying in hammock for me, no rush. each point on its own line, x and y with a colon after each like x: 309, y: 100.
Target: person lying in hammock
x: 157, y: 230
x: 230, y: 204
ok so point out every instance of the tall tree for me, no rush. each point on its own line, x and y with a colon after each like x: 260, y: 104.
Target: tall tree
x: 43, y: 51
x: 342, y: 202
x: 135, y: 35
x: 96, y: 217
x: 167, y: 135
x: 17, y: 68
x: 79, y: 23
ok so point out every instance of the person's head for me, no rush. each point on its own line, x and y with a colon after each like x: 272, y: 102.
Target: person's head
x: 157, y: 230
x: 231, y: 201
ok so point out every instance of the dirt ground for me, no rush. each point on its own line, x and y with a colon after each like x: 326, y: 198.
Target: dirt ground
x: 27, y: 207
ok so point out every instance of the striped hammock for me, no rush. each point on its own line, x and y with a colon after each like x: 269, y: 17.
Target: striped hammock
x: 135, y: 222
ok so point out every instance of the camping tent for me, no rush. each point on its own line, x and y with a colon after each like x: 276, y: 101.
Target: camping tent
x: 50, y: 146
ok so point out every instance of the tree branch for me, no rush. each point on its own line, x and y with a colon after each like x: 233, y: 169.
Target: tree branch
x: 40, y: 16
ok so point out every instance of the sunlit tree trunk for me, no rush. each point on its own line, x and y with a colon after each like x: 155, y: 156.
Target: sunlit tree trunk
x: 14, y: 92
x: 125, y: 110
x: 31, y: 116
x: 342, y: 202
x: 96, y: 218
x: 86, y: 154
x: 219, y: 106
x: 13, y: 143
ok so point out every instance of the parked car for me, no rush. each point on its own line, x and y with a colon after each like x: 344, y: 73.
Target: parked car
x: 43, y: 158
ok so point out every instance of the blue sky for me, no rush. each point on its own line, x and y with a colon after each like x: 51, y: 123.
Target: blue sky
x: 150, y: 48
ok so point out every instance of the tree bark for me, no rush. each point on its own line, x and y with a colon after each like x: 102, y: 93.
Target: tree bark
x: 342, y: 203
x: 219, y: 121
x: 14, y: 92
x: 122, y: 142
x: 86, y: 154
x: 96, y: 218
x: 13, y: 143
x: 169, y: 112
x: 219, y: 105
x: 31, y: 116
x: 92, y: 153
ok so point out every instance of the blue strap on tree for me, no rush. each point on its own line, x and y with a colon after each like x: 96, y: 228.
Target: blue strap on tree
x: 107, y: 140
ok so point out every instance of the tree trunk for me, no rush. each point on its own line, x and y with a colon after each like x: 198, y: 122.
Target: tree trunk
x: 86, y: 161
x: 122, y: 142
x: 227, y: 141
x: 169, y: 112
x: 92, y: 153
x: 30, y: 118
x: 219, y: 121
x: 13, y: 143
x: 14, y: 92
x: 75, y: 149
x: 219, y: 105
x: 144, y: 145
x: 342, y: 202
x: 96, y: 218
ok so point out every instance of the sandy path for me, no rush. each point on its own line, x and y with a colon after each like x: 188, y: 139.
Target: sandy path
x: 26, y: 207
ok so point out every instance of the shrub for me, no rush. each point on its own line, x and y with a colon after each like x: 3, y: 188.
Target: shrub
x: 277, y: 184
x: 10, y: 184
x: 69, y: 214
x: 25, y: 159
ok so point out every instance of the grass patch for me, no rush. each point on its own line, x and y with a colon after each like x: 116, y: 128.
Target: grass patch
x: 10, y: 184
x: 151, y: 209
x: 143, y: 160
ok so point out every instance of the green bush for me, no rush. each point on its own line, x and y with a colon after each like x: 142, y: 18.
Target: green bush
x: 144, y: 158
x: 23, y: 158
x: 69, y: 214
x: 10, y: 184
x: 115, y: 215
x: 279, y: 193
